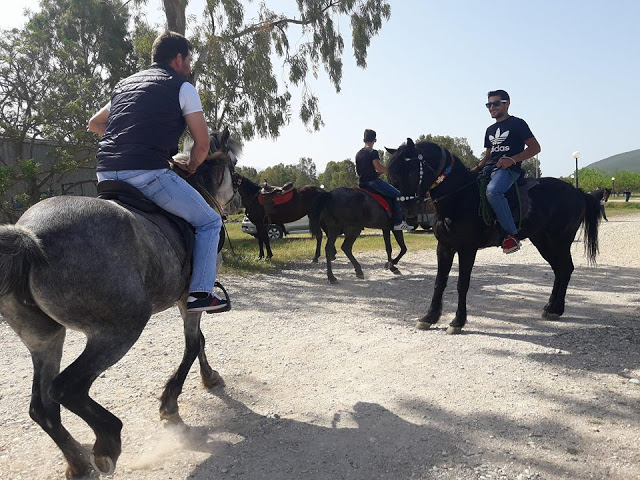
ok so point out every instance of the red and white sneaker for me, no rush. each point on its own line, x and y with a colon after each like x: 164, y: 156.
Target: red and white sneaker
x: 510, y: 244
x: 210, y: 303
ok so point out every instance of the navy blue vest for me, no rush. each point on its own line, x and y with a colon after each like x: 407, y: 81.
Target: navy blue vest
x: 145, y: 121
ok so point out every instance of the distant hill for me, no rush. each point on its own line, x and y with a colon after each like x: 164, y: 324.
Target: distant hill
x: 629, y: 161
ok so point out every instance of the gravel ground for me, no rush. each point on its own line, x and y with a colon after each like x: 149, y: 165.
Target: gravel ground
x: 334, y: 382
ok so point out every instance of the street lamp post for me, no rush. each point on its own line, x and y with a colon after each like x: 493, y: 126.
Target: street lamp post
x: 613, y: 185
x: 576, y: 155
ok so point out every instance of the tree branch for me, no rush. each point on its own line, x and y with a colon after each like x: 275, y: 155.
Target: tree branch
x: 279, y: 23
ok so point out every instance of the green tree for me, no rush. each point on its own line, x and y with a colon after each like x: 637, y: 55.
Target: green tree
x: 459, y: 146
x: 235, y: 62
x: 531, y: 167
x: 591, y: 178
x: 249, y: 172
x: 625, y: 180
x: 54, y: 73
x: 339, y: 174
x: 278, y: 174
x: 305, y: 173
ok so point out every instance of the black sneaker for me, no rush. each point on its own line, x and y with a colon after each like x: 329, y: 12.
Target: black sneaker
x: 210, y: 303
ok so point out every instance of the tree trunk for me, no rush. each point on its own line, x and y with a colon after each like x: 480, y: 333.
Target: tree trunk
x: 176, y: 17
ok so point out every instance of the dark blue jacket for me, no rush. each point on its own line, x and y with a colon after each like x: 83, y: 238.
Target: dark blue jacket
x: 145, y: 121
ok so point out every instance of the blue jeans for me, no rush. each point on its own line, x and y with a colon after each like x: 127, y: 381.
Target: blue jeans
x: 173, y: 194
x: 386, y: 190
x: 501, y: 181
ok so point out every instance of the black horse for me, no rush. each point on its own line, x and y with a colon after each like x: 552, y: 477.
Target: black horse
x: 553, y: 212
x: 294, y: 209
x: 349, y: 211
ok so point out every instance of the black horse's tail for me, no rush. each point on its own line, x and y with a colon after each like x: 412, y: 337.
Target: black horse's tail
x: 20, y: 250
x: 314, y: 214
x: 591, y: 221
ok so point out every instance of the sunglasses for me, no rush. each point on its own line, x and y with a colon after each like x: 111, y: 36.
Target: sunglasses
x: 494, y: 104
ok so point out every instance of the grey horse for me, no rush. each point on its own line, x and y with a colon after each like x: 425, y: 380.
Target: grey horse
x: 94, y: 266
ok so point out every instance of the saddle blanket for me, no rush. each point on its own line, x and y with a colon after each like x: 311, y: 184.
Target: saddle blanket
x: 277, y: 199
x: 377, y: 197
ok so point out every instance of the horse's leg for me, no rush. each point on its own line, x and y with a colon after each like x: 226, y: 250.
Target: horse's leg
x: 106, y: 344
x: 350, y: 237
x: 260, y: 247
x: 466, y: 259
x: 386, y: 235
x: 330, y: 253
x: 194, y: 347
x: 267, y: 244
x: 557, y: 252
x: 445, y: 260
x: 399, y: 236
x: 210, y: 377
x: 318, y: 246
x: 263, y: 238
x: 44, y: 338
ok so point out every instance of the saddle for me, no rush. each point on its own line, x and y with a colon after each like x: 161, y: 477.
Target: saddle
x: 274, y: 191
x: 270, y: 197
x: 517, y: 196
x: 178, y: 231
x: 384, y: 203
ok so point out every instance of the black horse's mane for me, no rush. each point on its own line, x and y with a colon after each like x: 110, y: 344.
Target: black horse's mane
x: 248, y: 186
x: 398, y: 164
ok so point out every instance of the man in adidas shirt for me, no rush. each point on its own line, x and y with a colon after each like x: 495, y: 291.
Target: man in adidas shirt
x: 508, y: 143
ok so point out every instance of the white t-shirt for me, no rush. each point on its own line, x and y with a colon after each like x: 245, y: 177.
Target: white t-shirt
x: 189, y: 100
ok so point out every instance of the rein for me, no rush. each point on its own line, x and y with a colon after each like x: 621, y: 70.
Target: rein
x: 459, y: 189
x: 439, y: 174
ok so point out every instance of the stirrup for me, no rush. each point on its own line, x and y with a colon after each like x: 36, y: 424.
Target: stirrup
x: 226, y: 296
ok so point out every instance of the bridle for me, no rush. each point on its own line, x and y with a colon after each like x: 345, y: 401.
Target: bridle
x: 439, y: 174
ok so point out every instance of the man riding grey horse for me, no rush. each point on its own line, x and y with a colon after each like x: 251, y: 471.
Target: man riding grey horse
x: 141, y: 127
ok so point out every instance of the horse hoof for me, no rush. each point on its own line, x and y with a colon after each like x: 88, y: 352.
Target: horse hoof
x: 211, y: 379
x: 314, y: 260
x: 423, y: 325
x: 550, y: 316
x: 333, y: 281
x: 171, y: 418
x: 454, y: 330
x: 360, y: 275
x: 78, y: 472
x: 102, y: 464
x: 395, y: 271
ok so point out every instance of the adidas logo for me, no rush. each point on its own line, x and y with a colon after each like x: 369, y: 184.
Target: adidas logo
x: 499, y: 138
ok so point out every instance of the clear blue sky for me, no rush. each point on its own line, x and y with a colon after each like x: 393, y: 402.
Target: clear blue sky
x: 571, y: 68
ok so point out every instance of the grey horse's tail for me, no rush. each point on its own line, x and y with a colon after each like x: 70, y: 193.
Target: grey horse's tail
x: 20, y: 251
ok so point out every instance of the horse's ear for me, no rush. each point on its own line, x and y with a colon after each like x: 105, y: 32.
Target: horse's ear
x: 391, y: 150
x: 225, y: 135
x: 410, y: 146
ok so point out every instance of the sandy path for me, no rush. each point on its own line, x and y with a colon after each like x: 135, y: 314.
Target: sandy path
x: 333, y: 382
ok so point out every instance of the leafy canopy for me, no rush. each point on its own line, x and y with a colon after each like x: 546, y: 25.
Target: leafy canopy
x: 248, y: 64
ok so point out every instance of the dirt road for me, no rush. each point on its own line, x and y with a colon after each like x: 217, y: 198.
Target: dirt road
x: 333, y: 382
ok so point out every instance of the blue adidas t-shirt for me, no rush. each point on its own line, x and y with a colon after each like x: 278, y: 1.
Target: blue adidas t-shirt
x: 507, y: 138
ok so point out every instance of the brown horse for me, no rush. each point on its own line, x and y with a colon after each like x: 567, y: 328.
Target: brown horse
x: 294, y: 209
